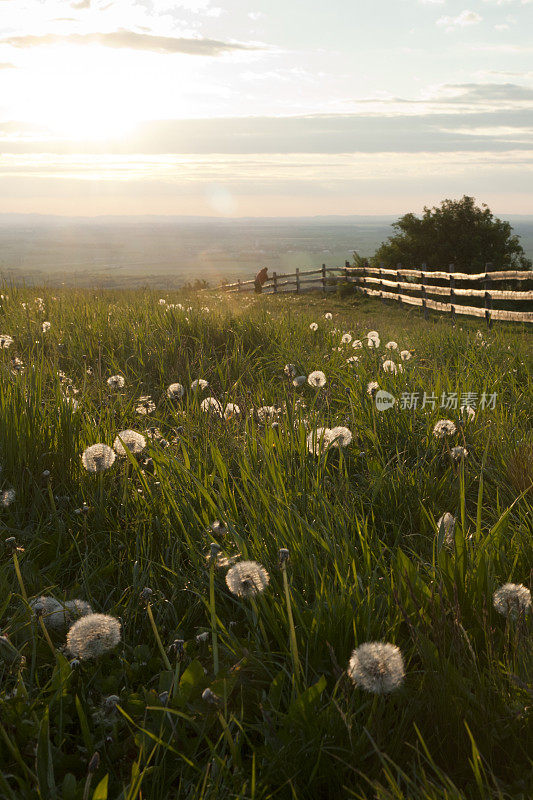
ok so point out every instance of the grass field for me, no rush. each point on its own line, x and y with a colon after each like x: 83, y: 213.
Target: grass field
x: 122, y: 711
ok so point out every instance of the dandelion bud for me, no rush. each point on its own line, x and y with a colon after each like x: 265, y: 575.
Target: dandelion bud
x: 283, y: 556
x: 11, y: 542
x: 210, y: 697
x: 45, y: 476
x: 110, y: 703
x: 94, y: 763
x: 177, y: 648
x: 146, y: 594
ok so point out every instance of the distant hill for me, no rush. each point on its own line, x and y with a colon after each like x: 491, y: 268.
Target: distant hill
x: 168, y: 251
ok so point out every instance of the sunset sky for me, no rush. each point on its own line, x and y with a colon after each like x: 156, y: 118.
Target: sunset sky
x: 264, y: 108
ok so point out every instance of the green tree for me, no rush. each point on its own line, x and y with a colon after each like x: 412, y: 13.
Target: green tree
x: 456, y: 232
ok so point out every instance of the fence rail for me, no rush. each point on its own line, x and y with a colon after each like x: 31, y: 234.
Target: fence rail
x: 365, y: 280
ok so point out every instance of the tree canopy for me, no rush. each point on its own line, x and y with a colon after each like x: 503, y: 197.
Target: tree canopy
x: 456, y: 232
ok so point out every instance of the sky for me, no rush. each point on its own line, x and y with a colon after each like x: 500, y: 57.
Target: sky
x: 264, y: 107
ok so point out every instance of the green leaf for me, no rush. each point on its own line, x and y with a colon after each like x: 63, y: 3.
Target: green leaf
x: 100, y: 793
x: 304, y: 705
x: 45, y: 765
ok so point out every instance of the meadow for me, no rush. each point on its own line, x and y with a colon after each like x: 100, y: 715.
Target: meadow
x: 185, y: 671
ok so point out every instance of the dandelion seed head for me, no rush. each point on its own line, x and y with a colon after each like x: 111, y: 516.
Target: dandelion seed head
x: 357, y: 344
x: 116, y: 382
x: 211, y: 406
x: 389, y: 366
x: 93, y: 635
x: 373, y: 342
x: 444, y: 427
x: 392, y: 345
x: 377, y: 667
x: 7, y: 496
x: 340, y: 436
x: 346, y: 338
x: 459, y: 452
x: 232, y: 410
x: 446, y: 523
x: 316, y: 379
x: 77, y: 608
x: 328, y: 315
x: 314, y: 326
x: 199, y: 384
x: 46, y: 326
x: 98, y: 457
x: 352, y: 359
x: 372, y: 388
x: 175, y: 391
x: 145, y: 405
x: 5, y: 341
x: 405, y: 355
x: 51, y: 611
x: 247, y: 578
x: 512, y: 600
x: 129, y: 440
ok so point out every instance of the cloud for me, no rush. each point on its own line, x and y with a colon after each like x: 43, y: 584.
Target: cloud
x: 461, y: 21
x: 125, y: 39
x: 6, y: 65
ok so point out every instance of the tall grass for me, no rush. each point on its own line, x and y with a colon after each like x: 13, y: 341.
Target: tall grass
x: 366, y: 559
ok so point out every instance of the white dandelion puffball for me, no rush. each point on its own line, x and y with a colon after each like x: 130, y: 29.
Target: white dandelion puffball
x: 98, y: 457
x: 389, y: 366
x: 211, y: 406
x: 446, y: 524
x: 162, y: 301
x: 299, y: 381
x: 512, y: 599
x: 318, y: 441
x: 352, y: 359
x: 314, y: 326
x: 328, y: 315
x: 5, y: 341
x: 232, y: 410
x: 77, y: 608
x: 372, y: 335
x: 247, y: 578
x: 377, y: 667
x: 357, y: 344
x: 93, y: 635
x: 46, y: 326
x: 175, y: 391
x: 6, y: 497
x: 372, y: 388
x: 405, y: 355
x: 346, y: 338
x: 51, y: 611
x: 316, y: 379
x: 373, y: 342
x: 199, y: 384
x: 459, y: 452
x: 340, y: 436
x: 290, y: 370
x: 130, y: 440
x: 392, y: 345
x: 145, y: 405
x: 116, y: 382
x: 267, y: 413
x: 444, y: 427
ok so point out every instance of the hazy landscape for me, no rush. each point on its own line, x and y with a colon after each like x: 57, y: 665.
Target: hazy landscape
x: 166, y: 252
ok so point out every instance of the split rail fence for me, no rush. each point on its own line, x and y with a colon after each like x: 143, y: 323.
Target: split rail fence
x: 422, y: 284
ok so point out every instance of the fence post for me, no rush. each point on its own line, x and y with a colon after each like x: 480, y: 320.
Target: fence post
x: 275, y: 279
x: 451, y: 270
x: 297, y: 280
x: 324, y: 278
x: 424, y: 293
x: 488, y: 296
x: 398, y: 276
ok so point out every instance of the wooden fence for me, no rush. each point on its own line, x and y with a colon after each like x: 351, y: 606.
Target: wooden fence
x: 377, y: 282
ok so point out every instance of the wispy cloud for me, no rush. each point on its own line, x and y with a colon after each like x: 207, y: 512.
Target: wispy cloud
x: 462, y: 20
x: 126, y: 39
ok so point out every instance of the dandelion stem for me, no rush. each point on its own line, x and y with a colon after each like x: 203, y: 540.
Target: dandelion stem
x: 19, y: 575
x: 294, y: 646
x: 46, y: 635
x: 157, y: 637
x: 213, y: 615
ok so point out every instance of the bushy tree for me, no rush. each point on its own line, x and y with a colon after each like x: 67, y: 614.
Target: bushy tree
x: 456, y: 232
